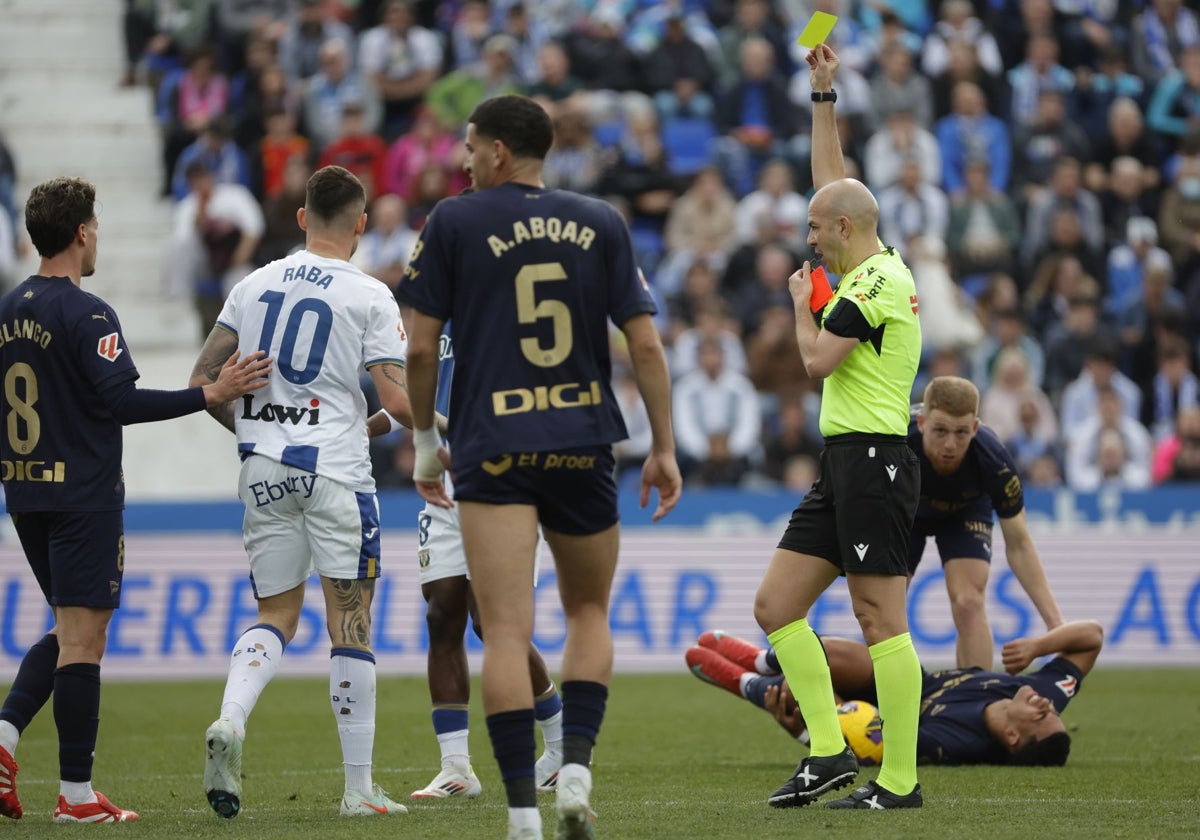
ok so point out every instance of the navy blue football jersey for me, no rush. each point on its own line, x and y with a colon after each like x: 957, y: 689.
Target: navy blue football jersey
x: 60, y: 447
x: 951, y: 728
x: 987, y: 473
x: 530, y: 278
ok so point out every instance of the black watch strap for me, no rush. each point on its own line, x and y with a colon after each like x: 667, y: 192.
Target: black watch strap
x: 821, y: 96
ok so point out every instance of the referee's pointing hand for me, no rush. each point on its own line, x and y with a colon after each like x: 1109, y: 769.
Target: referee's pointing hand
x: 800, y: 285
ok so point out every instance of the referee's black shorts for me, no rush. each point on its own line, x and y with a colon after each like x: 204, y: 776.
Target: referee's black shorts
x: 860, y: 509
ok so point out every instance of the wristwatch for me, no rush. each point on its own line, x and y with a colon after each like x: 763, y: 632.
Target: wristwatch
x: 821, y: 96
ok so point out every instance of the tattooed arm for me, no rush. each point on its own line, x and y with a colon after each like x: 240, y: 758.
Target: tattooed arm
x: 221, y: 344
x: 392, y: 388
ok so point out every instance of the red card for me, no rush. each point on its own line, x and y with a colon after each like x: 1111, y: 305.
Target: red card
x: 821, y: 290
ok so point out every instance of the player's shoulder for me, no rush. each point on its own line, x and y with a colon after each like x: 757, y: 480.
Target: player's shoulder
x: 988, y: 444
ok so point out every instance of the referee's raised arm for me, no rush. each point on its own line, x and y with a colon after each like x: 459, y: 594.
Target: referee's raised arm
x: 828, y: 165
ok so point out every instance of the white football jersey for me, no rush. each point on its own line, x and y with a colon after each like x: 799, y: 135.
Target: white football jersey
x: 322, y: 321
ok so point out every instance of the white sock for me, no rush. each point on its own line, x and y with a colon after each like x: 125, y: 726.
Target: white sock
x: 456, y: 754
x: 9, y: 737
x: 743, y: 679
x: 522, y: 818
x: 77, y: 793
x: 352, y: 698
x: 253, y: 663
x: 760, y: 664
x: 552, y: 733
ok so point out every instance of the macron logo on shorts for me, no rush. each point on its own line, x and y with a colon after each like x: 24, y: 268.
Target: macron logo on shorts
x: 891, y: 471
x: 109, y: 347
x: 861, y: 551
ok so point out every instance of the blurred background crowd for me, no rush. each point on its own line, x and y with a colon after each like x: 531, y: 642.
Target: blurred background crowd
x: 1037, y: 163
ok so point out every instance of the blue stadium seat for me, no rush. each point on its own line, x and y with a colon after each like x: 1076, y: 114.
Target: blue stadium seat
x: 688, y: 142
x: 608, y: 134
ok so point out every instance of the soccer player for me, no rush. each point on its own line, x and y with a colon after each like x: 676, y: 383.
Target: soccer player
x: 446, y: 587
x: 306, y: 476
x: 968, y: 715
x: 966, y: 474
x: 530, y: 277
x: 68, y: 389
x: 856, y: 518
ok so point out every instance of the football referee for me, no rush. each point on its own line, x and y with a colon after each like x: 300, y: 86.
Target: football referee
x: 856, y: 518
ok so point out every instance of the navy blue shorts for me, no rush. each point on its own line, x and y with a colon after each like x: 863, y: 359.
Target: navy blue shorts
x: 78, y: 558
x: 574, y: 490
x: 966, y: 534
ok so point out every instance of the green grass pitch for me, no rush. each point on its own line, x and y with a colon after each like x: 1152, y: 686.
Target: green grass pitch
x: 677, y: 759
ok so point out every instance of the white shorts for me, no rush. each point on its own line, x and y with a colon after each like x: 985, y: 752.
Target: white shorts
x: 440, y: 546
x: 297, y: 522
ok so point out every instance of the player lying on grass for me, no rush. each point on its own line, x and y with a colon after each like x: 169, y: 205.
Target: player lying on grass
x: 968, y: 715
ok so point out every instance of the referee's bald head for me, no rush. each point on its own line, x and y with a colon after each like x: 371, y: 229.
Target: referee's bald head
x: 851, y: 199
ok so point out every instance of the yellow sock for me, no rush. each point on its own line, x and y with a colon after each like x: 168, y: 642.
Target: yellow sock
x: 807, y: 670
x: 898, y: 684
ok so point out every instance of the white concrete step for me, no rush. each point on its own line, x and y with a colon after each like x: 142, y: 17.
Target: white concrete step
x: 41, y: 103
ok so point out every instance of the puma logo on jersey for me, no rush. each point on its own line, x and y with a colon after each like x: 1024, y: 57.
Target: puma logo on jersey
x: 109, y: 347
x: 861, y: 551
x: 891, y: 471
x: 103, y: 316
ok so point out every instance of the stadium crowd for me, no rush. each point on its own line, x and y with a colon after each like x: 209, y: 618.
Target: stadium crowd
x: 1037, y: 163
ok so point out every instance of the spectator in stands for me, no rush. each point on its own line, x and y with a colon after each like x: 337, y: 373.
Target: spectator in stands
x: 356, y: 149
x: 530, y: 36
x: 1177, y: 459
x: 402, y: 60
x: 711, y: 320
x: 898, y: 87
x: 1043, y: 473
x: 1038, y: 144
x: 425, y: 143
x: 700, y: 225
x: 1126, y: 136
x: 717, y: 419
x: 1159, y: 310
x: 269, y: 92
x: 1081, y: 397
x: 334, y: 86
x: 576, y: 161
x: 196, y: 98
x: 1174, y: 109
x: 1066, y: 192
x: 678, y: 73
x: 768, y: 288
x: 1033, y: 440
x: 791, y: 436
x: 1179, y: 218
x: 158, y: 35
x: 983, y: 230
x: 751, y: 19
x: 964, y: 67
x: 1007, y: 330
x: 281, y: 235
x: 640, y: 175
x: 8, y: 251
x: 1125, y: 200
x: 1096, y: 90
x: 756, y: 119
x: 772, y: 354
x: 385, y: 249
x: 555, y: 81
x: 1040, y: 71
x: 216, y: 231
x: 1108, y: 449
x: 631, y: 453
x: 599, y: 57
x: 947, y: 319
x: 455, y: 95
x: 274, y: 151
x: 958, y: 24
x: 701, y: 285
x: 311, y: 26
x: 774, y: 211
x: 238, y: 21
x: 971, y: 132
x: 218, y: 153
x: 1131, y: 258
x: 1016, y: 22
x: 1160, y: 34
x: 1174, y: 388
x: 472, y: 26
x: 1071, y: 341
x: 912, y: 207
x: 1011, y: 388
x: 8, y: 180
x: 900, y: 140
x: 431, y: 186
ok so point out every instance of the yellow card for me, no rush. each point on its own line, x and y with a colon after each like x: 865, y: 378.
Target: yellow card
x: 817, y: 30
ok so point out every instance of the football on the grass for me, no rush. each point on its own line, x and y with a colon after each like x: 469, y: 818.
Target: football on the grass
x: 863, y: 731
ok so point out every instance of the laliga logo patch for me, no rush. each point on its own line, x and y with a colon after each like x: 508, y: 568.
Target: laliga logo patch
x: 1067, y: 685
x: 109, y: 347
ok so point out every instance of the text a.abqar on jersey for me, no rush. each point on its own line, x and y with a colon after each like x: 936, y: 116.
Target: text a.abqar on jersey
x: 313, y: 274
